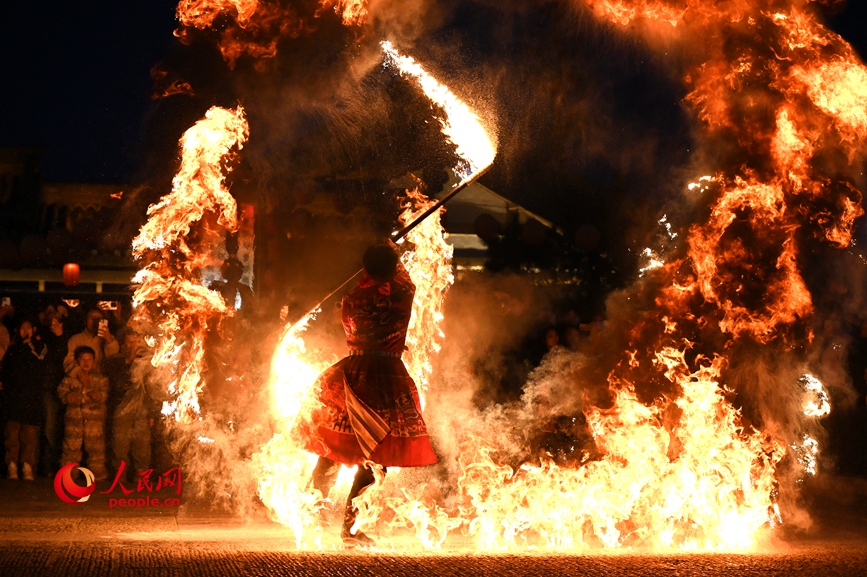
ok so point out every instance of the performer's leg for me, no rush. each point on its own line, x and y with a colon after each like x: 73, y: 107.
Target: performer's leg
x: 364, y: 478
x: 324, y: 475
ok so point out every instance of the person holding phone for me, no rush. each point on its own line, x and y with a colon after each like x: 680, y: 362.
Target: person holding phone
x: 96, y: 336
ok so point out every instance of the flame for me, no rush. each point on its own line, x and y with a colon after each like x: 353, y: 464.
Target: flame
x: 175, y: 244
x: 740, y: 276
x: 254, y: 28
x: 245, y: 27
x: 283, y: 466
x: 202, y: 13
x: 699, y: 486
x: 461, y: 125
x: 429, y: 264
x: 353, y: 12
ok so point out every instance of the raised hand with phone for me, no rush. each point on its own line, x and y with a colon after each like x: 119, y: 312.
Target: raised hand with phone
x: 97, y: 336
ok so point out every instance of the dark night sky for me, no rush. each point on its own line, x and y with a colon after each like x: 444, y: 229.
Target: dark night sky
x: 77, y: 81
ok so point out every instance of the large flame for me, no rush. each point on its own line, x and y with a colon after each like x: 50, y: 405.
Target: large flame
x: 704, y: 485
x: 429, y: 264
x: 245, y: 27
x: 254, y: 28
x: 686, y: 469
x: 175, y: 244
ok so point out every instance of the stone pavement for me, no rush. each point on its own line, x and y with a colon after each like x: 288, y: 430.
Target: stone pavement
x: 40, y: 535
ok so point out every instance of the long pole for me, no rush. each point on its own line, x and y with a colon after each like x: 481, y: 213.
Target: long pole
x: 397, y: 235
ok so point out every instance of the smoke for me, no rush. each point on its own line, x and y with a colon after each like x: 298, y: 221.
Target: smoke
x: 325, y: 118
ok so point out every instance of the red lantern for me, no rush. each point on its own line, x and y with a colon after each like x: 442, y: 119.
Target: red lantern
x: 70, y: 274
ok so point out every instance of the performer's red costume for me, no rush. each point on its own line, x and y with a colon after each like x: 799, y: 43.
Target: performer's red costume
x: 371, y: 408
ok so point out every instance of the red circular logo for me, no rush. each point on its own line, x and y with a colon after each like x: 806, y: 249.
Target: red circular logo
x: 67, y: 489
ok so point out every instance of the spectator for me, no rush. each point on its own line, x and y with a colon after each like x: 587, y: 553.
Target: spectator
x: 95, y: 336
x: 133, y: 415
x: 22, y: 377
x: 572, y: 336
x: 552, y: 338
x: 52, y: 320
x: 84, y: 393
x: 5, y: 339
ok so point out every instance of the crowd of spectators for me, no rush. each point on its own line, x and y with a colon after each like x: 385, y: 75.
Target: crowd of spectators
x: 73, y: 390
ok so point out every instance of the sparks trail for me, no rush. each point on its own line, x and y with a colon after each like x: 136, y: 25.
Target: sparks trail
x: 461, y: 125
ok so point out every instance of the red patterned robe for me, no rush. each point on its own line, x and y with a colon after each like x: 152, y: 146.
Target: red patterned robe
x: 371, y: 408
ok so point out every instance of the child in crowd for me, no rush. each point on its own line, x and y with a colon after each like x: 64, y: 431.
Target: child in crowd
x: 85, y: 396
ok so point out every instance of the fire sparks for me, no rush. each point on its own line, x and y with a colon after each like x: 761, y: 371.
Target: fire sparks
x: 461, y: 125
x: 816, y: 402
x: 175, y: 244
x: 807, y: 454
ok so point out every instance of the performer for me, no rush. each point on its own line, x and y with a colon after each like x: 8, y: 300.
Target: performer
x: 371, y: 410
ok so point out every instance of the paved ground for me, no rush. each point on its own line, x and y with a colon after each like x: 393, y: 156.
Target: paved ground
x: 39, y: 535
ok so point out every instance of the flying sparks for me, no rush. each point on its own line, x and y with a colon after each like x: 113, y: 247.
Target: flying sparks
x: 462, y: 126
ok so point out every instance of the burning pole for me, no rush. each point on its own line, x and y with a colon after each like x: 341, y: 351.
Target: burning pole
x: 461, y: 126
x: 399, y: 235
x: 283, y: 466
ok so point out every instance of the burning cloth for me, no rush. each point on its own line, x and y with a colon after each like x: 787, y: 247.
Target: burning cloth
x: 370, y: 405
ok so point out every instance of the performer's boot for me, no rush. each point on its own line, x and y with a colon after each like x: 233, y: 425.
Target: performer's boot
x: 363, y: 479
